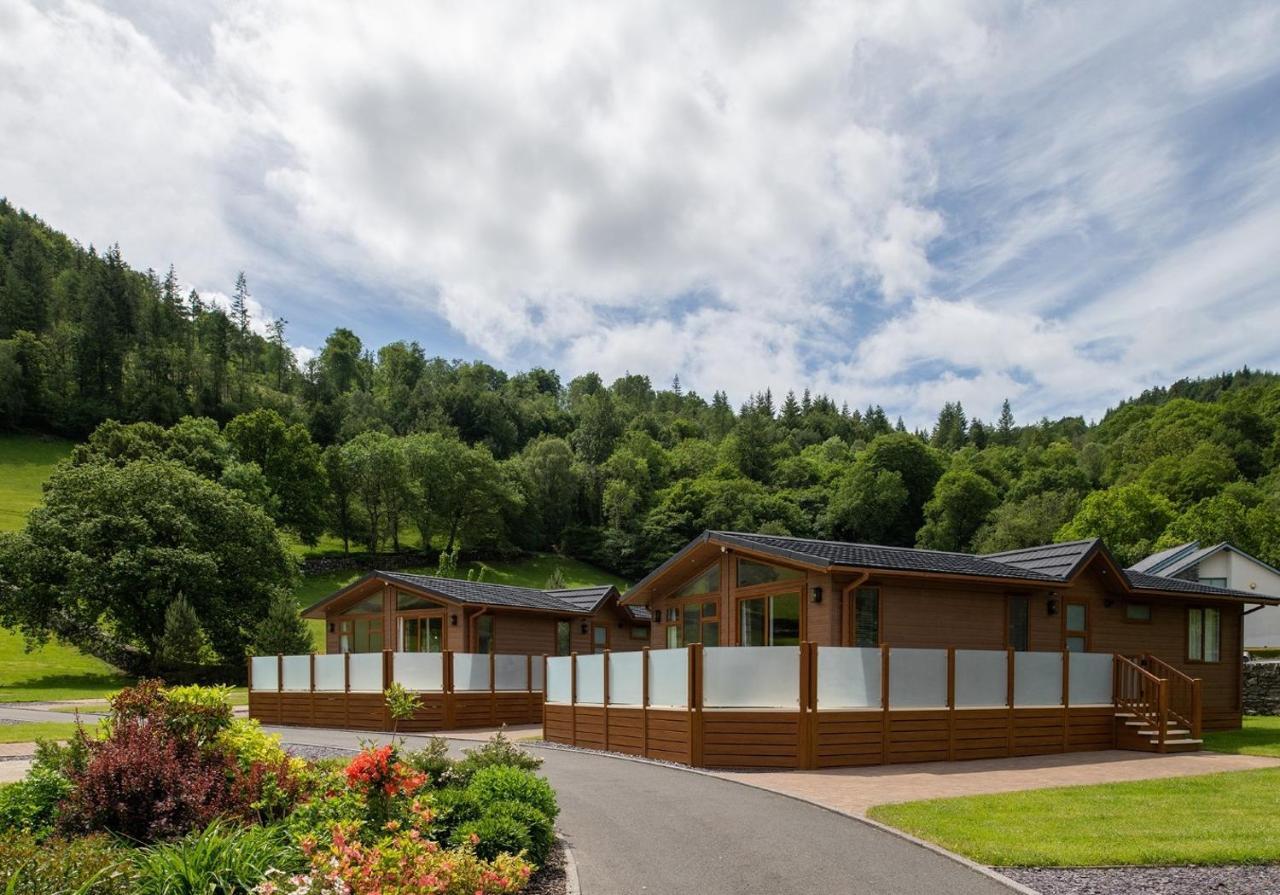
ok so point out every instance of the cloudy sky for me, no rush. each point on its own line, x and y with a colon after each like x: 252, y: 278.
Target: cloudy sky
x: 898, y: 202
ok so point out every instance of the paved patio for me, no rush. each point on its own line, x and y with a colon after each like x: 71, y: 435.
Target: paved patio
x: 855, y: 790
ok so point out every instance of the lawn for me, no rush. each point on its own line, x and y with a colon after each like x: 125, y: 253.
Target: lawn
x: 26, y: 462
x: 1214, y: 819
x: 29, y: 732
x: 237, y: 697
x: 52, y: 672
x: 1259, y: 736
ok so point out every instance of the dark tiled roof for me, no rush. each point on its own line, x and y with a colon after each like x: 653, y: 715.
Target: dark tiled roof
x: 1058, y: 560
x: 1155, y: 563
x: 874, y: 556
x: 1143, y: 581
x: 486, y: 594
x: 585, y: 598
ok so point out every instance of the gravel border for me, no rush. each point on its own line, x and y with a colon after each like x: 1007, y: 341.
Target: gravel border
x: 313, y: 753
x: 1261, y: 879
x: 550, y: 879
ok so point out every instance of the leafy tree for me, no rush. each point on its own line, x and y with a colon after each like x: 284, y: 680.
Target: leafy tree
x: 1128, y: 518
x: 99, y: 563
x: 1027, y: 522
x: 291, y: 464
x: 961, y: 503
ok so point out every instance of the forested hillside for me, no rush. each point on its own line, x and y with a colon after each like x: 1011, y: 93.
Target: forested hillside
x: 386, y: 448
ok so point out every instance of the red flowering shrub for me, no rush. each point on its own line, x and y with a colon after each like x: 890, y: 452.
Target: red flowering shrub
x: 379, y: 770
x: 143, y: 783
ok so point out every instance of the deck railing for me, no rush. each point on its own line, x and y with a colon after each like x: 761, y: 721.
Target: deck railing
x: 1143, y: 695
x: 1184, y: 693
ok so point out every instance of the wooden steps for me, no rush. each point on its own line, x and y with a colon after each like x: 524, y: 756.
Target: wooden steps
x: 1141, y: 735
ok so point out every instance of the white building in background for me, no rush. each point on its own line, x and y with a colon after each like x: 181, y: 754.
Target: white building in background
x: 1225, y: 566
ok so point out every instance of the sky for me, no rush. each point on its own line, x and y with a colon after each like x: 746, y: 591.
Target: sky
x: 895, y: 202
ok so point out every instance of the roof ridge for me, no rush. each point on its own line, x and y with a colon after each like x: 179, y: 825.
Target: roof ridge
x: 1075, y: 543
x: 743, y: 534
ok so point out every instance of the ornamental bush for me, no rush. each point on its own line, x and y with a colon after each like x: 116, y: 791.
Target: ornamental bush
x: 542, y: 834
x: 91, y: 865
x: 503, y: 783
x: 218, y: 860
x: 433, y: 760
x: 492, y: 835
x: 498, y: 751
x: 31, y: 805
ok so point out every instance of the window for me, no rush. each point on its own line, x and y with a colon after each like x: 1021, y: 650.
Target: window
x: 1077, y: 627
x: 413, y: 601
x: 1137, y: 612
x: 360, y: 635
x: 866, y: 617
x: 700, y: 623
x: 751, y: 573
x: 599, y: 639
x: 1019, y: 627
x: 1204, y: 635
x: 639, y: 632
x: 484, y: 634
x: 421, y: 635
x: 673, y: 636
x: 1214, y: 582
x: 367, y: 606
x: 706, y: 583
x: 562, y: 638
x: 770, y: 621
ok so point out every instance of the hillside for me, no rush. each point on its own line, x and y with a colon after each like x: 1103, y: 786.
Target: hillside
x: 25, y: 463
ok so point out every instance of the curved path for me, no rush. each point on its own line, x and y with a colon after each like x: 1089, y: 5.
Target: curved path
x: 638, y: 827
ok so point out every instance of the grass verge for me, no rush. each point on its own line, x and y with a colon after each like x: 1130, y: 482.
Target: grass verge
x: 52, y: 672
x: 1260, y: 735
x: 1213, y: 819
x: 30, y: 731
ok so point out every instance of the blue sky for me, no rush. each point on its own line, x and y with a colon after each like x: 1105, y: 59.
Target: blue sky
x: 894, y: 202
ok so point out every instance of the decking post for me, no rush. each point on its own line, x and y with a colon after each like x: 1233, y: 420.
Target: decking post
x: 493, y: 688
x: 1008, y: 698
x: 604, y: 700
x: 1066, y: 699
x: 951, y: 703
x: 280, y: 673
x: 346, y: 690
x: 446, y: 684
x: 1196, y: 709
x: 1162, y: 715
x: 644, y: 702
x: 695, y: 704
x: 806, y: 719
x: 573, y: 698
x: 312, y: 698
x: 528, y: 686
x: 884, y: 703
x: 387, y: 676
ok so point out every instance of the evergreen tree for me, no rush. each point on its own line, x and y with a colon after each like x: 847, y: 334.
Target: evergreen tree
x: 240, y: 304
x: 183, y: 641
x: 1004, y: 426
x: 282, y: 630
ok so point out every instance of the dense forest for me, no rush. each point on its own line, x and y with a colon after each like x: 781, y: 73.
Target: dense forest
x: 389, y: 449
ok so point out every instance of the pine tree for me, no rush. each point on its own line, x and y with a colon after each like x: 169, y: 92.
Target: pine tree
x: 790, y: 411
x: 240, y: 305
x: 282, y: 359
x: 1004, y: 426
x: 282, y: 630
x: 555, y: 581
x: 183, y: 641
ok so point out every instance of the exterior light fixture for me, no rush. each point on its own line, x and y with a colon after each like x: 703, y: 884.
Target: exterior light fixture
x: 815, y: 594
x: 585, y: 627
x: 453, y: 619
x: 1052, y: 606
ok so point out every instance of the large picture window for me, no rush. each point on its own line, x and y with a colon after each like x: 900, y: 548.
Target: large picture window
x: 770, y: 621
x: 360, y: 635
x: 1204, y: 635
x: 1019, y: 623
x: 421, y: 635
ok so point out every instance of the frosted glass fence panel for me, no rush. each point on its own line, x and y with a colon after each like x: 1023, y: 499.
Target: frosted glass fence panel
x: 265, y: 671
x: 470, y: 671
x: 511, y: 672
x: 917, y: 678
x: 419, y: 671
x: 297, y: 673
x: 559, y: 679
x: 626, y: 683
x: 1089, y: 679
x: 537, y: 673
x: 331, y: 674
x: 669, y: 677
x: 591, y: 679
x: 982, y: 678
x: 1037, y: 679
x: 366, y: 672
x: 848, y: 677
x: 751, y: 677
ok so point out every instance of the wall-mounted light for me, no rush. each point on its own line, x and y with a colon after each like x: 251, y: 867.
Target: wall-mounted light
x: 585, y: 627
x: 815, y: 594
x: 453, y: 619
x: 332, y: 627
x: 1052, y: 606
x: 1108, y: 603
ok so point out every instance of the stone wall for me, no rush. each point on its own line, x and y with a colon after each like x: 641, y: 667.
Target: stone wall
x: 1262, y: 688
x: 319, y: 565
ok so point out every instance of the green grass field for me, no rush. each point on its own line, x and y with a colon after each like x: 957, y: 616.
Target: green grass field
x: 1214, y: 819
x: 1260, y: 735
x: 37, y: 730
x: 53, y: 672
x: 25, y: 463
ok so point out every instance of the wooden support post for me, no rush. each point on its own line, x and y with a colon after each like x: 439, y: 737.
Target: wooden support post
x: 604, y: 700
x: 1009, y: 693
x: 446, y: 684
x: 346, y: 690
x: 695, y: 704
x: 493, y: 688
x: 387, y: 677
x: 951, y: 703
x: 1197, y: 724
x: 644, y: 702
x: 884, y: 703
x: 311, y: 700
x: 1162, y: 714
x: 573, y: 698
x: 807, y: 719
x: 1066, y: 699
x: 528, y: 686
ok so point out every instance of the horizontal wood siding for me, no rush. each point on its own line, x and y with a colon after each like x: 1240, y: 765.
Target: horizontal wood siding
x: 751, y: 739
x: 626, y: 730
x: 669, y: 735
x: 557, y: 724
x: 849, y: 739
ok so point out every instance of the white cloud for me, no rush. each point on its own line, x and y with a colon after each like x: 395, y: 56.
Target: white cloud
x: 897, y: 202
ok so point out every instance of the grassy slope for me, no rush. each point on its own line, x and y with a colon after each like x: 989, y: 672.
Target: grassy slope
x: 25, y: 463
x: 1213, y: 819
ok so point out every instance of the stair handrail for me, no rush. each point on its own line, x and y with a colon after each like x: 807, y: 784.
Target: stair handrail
x: 1142, y: 694
x: 1187, y: 709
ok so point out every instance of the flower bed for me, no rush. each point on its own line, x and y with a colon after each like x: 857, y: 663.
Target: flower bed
x: 173, y: 794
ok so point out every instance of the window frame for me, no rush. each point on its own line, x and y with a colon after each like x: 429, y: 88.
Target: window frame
x: 775, y: 589
x: 853, y: 615
x: 596, y: 648
x: 419, y: 615
x: 1025, y: 601
x: 567, y: 628
x: 1069, y: 633
x: 1138, y: 621
x: 493, y: 633
x: 1203, y: 610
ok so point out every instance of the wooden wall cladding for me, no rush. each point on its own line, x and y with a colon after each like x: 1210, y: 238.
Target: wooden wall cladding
x: 751, y: 739
x: 367, y: 711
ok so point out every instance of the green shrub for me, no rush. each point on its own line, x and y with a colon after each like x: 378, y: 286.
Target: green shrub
x: 432, y: 760
x: 92, y: 865
x: 66, y: 760
x: 502, y: 783
x: 497, y: 752
x: 495, y: 834
x: 542, y: 834
x: 332, y: 802
x: 31, y: 805
x: 197, y: 711
x: 218, y: 860
x: 452, y: 808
